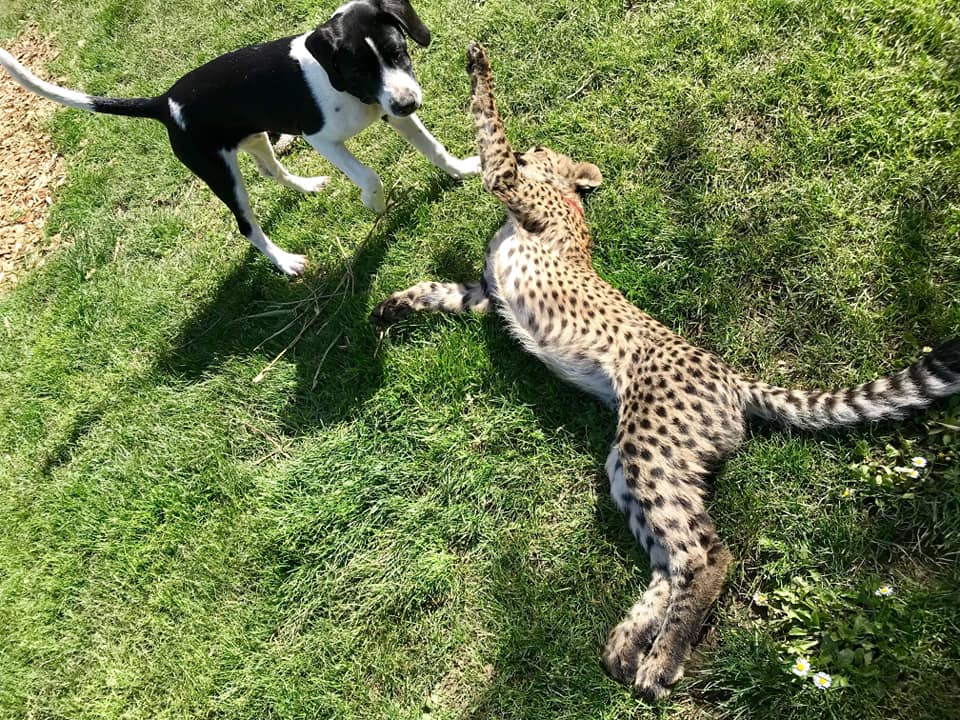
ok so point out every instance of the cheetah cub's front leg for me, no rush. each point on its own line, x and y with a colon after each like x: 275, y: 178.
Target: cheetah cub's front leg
x: 431, y: 296
x: 501, y: 177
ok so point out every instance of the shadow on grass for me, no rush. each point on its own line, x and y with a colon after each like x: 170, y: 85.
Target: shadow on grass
x: 540, y: 656
x: 320, y: 324
x: 914, y: 256
x: 82, y: 425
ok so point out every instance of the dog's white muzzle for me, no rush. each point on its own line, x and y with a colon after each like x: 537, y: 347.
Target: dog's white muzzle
x: 400, y: 94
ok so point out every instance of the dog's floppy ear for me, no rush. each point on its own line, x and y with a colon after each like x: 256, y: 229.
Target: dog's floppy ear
x: 402, y: 11
x: 321, y: 44
x: 588, y: 176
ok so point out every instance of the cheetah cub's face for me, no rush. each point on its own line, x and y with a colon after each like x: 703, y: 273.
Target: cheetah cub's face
x: 544, y: 165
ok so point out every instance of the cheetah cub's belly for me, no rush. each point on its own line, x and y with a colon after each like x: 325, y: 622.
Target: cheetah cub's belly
x: 514, y: 275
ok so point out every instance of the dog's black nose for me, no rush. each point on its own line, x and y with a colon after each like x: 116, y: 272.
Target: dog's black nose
x: 403, y: 109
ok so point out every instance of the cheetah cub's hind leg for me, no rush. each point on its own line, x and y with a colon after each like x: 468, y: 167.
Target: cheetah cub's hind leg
x: 666, y: 443
x: 630, y: 641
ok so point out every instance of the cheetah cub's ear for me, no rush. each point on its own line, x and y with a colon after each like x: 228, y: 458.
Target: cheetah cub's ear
x: 587, y: 176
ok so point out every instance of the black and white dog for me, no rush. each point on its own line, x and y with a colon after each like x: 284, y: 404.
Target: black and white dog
x: 326, y: 85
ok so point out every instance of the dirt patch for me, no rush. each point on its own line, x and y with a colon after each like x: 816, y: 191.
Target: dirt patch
x: 30, y: 168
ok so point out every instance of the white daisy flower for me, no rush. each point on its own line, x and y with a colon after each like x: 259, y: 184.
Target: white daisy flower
x: 919, y: 462
x: 884, y: 591
x: 847, y: 493
x: 759, y: 599
x: 822, y: 680
x: 800, y: 667
x: 927, y: 349
x: 908, y: 471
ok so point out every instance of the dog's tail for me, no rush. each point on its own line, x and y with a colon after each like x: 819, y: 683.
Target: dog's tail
x: 934, y: 376
x: 134, y: 107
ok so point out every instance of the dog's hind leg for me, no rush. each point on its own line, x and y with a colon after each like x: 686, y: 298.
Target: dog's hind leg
x: 219, y: 169
x: 258, y: 146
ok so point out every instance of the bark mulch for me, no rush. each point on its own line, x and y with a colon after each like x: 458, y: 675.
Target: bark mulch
x: 30, y: 168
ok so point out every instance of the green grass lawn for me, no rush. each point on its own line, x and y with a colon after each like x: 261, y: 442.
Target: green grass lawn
x: 419, y: 527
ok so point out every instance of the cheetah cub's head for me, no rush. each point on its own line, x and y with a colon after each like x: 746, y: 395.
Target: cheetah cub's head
x: 541, y: 164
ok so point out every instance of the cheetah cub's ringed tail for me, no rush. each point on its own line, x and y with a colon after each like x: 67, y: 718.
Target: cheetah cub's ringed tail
x: 681, y: 409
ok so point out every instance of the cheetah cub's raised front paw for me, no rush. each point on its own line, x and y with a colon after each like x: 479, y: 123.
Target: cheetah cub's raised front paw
x: 477, y: 60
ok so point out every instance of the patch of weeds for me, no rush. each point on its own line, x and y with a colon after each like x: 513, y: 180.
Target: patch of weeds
x: 909, y: 468
x: 829, y: 636
x: 879, y: 627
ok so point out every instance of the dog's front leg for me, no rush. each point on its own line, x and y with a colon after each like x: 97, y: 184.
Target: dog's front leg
x: 367, y: 180
x: 413, y: 131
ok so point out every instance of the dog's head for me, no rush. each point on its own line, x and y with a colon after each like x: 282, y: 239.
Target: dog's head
x: 363, y: 49
x: 544, y: 165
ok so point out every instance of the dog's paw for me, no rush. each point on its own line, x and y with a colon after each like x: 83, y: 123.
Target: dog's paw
x: 477, y: 61
x: 465, y: 168
x: 290, y: 265
x: 315, y: 184
x: 374, y: 200
x: 391, y: 310
x: 627, y: 645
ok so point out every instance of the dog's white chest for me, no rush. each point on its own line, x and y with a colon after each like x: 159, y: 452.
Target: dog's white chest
x: 343, y: 115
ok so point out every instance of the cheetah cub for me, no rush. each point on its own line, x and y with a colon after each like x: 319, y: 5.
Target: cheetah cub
x: 681, y: 410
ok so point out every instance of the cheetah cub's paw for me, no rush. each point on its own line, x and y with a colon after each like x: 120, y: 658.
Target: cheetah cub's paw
x: 627, y: 645
x: 477, y: 61
x: 655, y: 677
x: 391, y: 310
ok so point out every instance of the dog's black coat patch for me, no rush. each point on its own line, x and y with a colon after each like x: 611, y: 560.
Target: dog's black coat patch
x: 260, y: 88
x: 250, y: 90
x: 132, y: 107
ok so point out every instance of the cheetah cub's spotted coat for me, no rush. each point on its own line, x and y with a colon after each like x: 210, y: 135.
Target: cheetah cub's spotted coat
x: 681, y: 409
